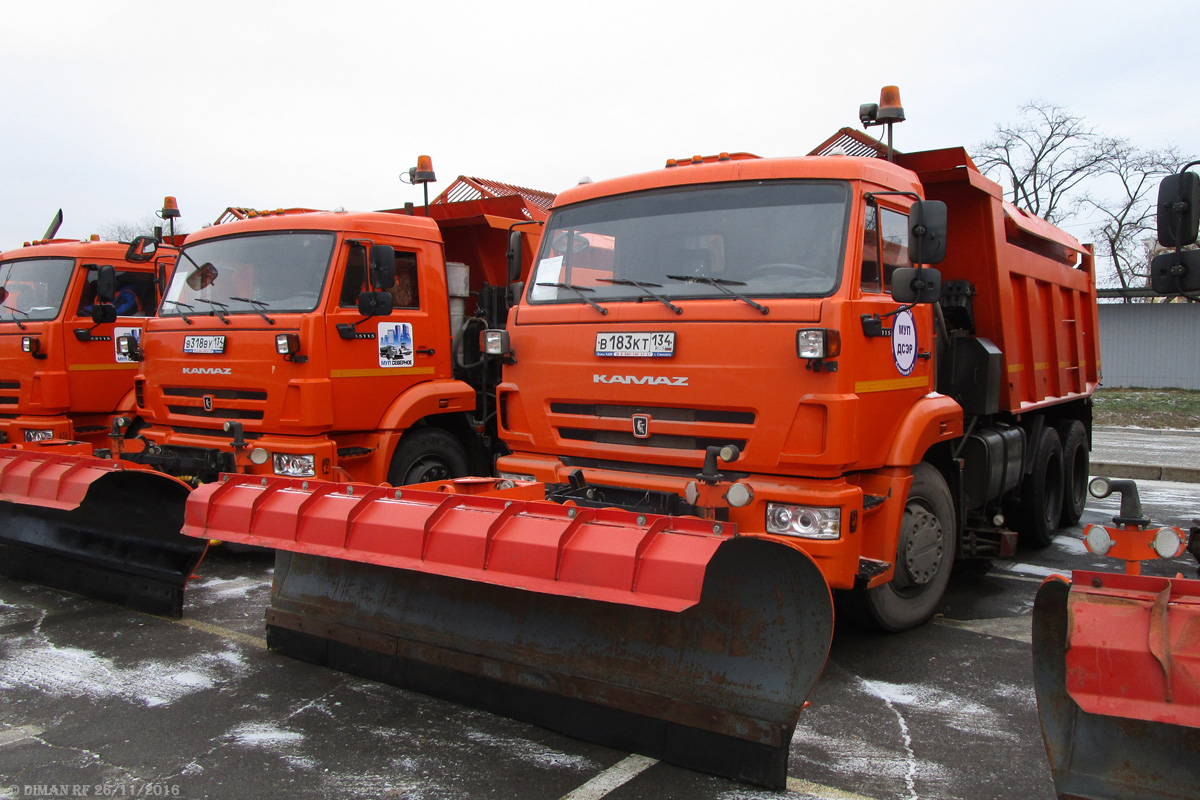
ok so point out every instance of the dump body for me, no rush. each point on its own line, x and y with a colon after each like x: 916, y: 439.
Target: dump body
x: 630, y: 393
x: 343, y: 402
x: 76, y: 382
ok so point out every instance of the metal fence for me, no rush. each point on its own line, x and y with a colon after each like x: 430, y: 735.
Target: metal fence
x: 1151, y: 345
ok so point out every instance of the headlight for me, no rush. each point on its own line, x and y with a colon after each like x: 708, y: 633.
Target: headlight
x: 818, y: 343
x: 38, y: 436
x: 294, y: 466
x: 808, y: 522
x: 494, y: 342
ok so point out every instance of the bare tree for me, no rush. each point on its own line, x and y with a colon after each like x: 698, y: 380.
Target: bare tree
x: 1125, y: 232
x: 1043, y: 157
x: 126, y: 230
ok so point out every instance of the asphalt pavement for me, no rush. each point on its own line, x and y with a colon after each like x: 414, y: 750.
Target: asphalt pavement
x: 1145, y: 454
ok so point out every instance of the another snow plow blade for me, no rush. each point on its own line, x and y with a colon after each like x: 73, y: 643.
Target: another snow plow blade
x: 1116, y: 662
x: 96, y: 527
x: 671, y: 637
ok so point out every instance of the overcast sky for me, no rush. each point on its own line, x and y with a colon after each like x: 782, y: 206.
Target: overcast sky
x: 109, y: 106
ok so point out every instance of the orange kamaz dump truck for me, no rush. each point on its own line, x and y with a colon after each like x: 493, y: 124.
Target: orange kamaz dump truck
x: 748, y: 340
x: 64, y: 304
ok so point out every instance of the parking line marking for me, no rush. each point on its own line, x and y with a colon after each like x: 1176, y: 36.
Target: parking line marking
x: 225, y: 633
x: 822, y: 791
x: 615, y: 776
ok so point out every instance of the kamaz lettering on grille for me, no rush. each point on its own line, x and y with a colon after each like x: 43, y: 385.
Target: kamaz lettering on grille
x: 207, y: 370
x: 641, y: 380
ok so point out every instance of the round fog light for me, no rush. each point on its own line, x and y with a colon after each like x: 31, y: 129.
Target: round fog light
x: 1097, y: 540
x: 1167, y: 543
x: 739, y: 494
x: 259, y: 456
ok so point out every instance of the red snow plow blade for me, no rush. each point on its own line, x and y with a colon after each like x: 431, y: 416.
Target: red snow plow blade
x: 672, y: 637
x: 1116, y: 663
x: 96, y: 527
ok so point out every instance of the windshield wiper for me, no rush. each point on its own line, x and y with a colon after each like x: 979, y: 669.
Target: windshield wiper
x: 645, y: 287
x: 257, y: 305
x: 182, y: 316
x: 579, y: 290
x: 218, y: 308
x: 721, y: 284
x: 16, y: 311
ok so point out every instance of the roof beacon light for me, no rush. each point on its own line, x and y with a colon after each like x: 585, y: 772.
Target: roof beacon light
x: 423, y: 171
x: 887, y: 111
x: 170, y: 209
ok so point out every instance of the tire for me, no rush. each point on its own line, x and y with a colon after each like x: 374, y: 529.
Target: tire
x: 427, y: 454
x: 924, y: 559
x: 1041, y: 496
x: 1076, y: 462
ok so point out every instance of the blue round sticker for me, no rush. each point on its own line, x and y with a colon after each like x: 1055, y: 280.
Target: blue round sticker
x: 904, y: 342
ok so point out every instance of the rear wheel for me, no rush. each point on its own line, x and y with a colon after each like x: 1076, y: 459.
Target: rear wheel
x: 427, y: 454
x: 925, y: 556
x: 1075, y: 469
x: 1041, y: 499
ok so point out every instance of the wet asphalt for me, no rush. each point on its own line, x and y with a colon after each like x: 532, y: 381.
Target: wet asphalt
x: 98, y: 700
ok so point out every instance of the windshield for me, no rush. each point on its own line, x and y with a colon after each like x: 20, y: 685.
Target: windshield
x: 239, y: 274
x: 33, y: 288
x: 756, y: 239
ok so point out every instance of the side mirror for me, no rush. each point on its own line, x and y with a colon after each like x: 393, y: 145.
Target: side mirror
x: 106, y: 283
x: 515, y: 242
x: 383, y: 268
x: 375, y: 304
x: 1175, y: 272
x: 926, y: 232
x: 141, y: 249
x: 104, y: 312
x: 916, y: 285
x: 202, y: 276
x: 1178, y: 209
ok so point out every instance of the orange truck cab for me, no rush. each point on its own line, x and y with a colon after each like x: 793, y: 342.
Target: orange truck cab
x: 746, y: 340
x: 61, y: 376
x: 331, y: 345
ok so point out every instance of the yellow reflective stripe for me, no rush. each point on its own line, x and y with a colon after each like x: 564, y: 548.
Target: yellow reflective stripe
x: 364, y: 373
x: 891, y: 384
x: 95, y: 367
x: 1015, y: 367
x: 1041, y: 365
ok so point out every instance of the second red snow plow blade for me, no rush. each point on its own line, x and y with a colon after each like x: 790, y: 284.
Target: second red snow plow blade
x: 1116, y: 662
x: 93, y: 526
x: 671, y: 637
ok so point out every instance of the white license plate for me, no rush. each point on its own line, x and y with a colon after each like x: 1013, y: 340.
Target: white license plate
x: 204, y: 344
x: 636, y: 344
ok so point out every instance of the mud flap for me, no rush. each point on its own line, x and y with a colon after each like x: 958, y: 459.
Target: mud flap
x: 88, y: 525
x: 668, y: 637
x: 1138, y: 737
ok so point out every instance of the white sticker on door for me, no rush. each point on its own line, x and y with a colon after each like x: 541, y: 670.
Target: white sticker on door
x: 395, y: 342
x: 904, y: 342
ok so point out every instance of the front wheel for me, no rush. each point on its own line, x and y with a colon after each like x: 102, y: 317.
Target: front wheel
x: 924, y: 558
x: 427, y: 454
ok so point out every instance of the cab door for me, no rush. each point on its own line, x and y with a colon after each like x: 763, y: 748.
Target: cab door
x: 97, y: 375
x: 373, y: 360
x: 896, y: 367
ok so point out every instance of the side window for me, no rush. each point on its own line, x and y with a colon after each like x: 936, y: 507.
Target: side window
x: 135, y: 295
x: 894, y: 234
x: 404, y: 293
x: 885, y: 247
x: 870, y: 263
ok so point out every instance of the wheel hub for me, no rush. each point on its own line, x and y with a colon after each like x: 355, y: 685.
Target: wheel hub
x: 922, y: 547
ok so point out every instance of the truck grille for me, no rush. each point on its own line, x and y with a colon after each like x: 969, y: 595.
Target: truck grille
x: 629, y: 440
x: 657, y: 412
x: 9, y: 386
x: 227, y: 403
